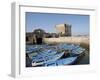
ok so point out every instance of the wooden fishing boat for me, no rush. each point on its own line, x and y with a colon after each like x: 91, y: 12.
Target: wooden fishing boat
x: 46, y: 55
x: 46, y: 59
x: 65, y: 61
x: 77, y: 52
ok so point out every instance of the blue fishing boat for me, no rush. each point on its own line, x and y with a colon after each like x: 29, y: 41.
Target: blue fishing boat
x: 77, y: 52
x: 68, y: 46
x: 48, y: 52
x: 54, y: 55
x: 31, y: 49
x: 42, y: 54
x: 65, y: 61
x: 36, y: 61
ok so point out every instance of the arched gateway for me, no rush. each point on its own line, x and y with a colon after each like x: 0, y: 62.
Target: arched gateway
x: 36, y: 37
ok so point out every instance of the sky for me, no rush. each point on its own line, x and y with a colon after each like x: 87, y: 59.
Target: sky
x: 47, y: 21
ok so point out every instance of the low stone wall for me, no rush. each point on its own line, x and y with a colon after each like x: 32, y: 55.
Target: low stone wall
x: 75, y: 40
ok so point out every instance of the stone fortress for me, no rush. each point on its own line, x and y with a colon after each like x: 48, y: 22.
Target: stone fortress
x: 63, y: 29
x: 63, y: 34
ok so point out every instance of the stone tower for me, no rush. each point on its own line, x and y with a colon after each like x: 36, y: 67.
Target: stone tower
x: 63, y: 29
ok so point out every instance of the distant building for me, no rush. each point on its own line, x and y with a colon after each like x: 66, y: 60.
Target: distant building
x: 37, y: 35
x: 63, y: 29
